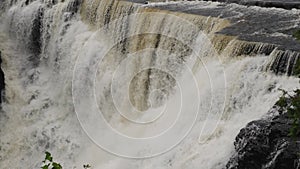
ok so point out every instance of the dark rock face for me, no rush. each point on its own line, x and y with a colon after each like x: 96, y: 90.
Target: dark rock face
x: 35, y: 37
x: 74, y: 6
x: 285, y: 62
x: 35, y: 45
x: 2, y: 84
x: 266, y: 144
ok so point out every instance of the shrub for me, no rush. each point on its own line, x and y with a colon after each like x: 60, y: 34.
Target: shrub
x: 292, y: 105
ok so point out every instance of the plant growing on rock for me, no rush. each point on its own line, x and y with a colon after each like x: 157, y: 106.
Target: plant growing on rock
x: 48, y: 163
x: 291, y: 103
x: 296, y: 35
x: 294, y: 112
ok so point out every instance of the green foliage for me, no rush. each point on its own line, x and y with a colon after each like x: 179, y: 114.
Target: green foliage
x: 296, y: 34
x: 56, y: 166
x: 48, y: 163
x: 292, y: 105
x: 294, y: 112
x: 282, y: 102
x: 48, y: 157
x: 297, y: 68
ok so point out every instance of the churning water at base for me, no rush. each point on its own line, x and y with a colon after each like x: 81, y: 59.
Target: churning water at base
x: 40, y: 114
x: 250, y: 94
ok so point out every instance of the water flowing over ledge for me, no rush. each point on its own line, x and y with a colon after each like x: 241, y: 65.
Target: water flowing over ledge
x: 42, y: 41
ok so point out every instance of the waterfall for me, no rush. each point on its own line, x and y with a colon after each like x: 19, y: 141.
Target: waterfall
x: 171, y: 92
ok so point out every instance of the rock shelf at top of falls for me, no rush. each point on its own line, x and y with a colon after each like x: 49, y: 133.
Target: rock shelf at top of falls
x: 258, y: 29
x: 256, y: 24
x: 287, y: 4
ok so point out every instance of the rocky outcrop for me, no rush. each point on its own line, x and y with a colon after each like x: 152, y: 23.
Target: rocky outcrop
x: 266, y: 144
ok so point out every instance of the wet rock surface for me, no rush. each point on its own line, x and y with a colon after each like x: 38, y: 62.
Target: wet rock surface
x: 250, y: 23
x: 267, y: 31
x: 266, y: 144
x: 35, y: 36
x: 285, y: 4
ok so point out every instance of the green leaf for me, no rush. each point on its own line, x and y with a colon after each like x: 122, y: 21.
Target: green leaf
x: 56, y: 166
x: 48, y: 156
x: 45, y: 166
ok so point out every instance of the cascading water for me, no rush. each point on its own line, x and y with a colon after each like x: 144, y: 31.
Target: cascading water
x: 147, y: 70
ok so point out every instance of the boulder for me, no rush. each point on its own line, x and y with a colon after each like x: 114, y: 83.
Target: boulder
x: 267, y: 144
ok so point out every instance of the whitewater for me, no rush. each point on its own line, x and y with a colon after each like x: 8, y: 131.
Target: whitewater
x: 133, y: 88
